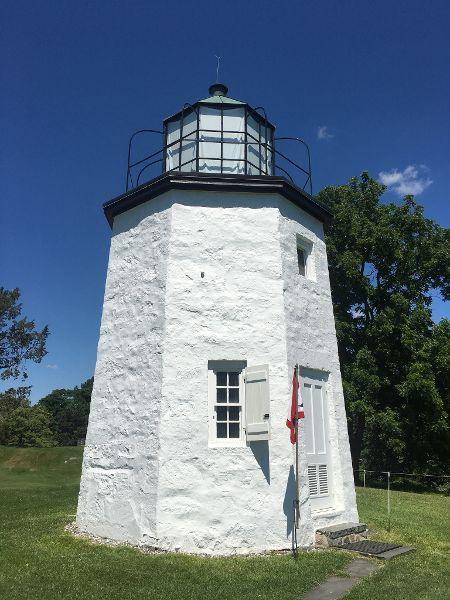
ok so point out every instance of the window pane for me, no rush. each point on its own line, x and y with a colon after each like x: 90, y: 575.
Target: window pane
x: 233, y: 146
x: 209, y: 166
x: 222, y: 430
x: 234, y: 379
x: 173, y: 156
x: 189, y: 123
x: 234, y: 430
x: 301, y: 261
x: 210, y: 118
x: 233, y: 413
x: 234, y: 395
x: 221, y: 413
x: 221, y: 395
x: 209, y: 149
x: 221, y: 379
x: 233, y: 119
x: 253, y: 128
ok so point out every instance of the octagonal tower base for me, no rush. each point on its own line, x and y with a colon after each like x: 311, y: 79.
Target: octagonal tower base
x: 195, y: 276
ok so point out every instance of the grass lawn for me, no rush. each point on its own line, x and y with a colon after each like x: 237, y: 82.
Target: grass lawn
x: 38, y: 560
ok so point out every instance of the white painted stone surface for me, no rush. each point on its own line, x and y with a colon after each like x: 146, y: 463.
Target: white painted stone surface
x: 149, y: 476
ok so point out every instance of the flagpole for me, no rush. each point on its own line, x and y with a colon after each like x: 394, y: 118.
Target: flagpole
x: 297, y: 498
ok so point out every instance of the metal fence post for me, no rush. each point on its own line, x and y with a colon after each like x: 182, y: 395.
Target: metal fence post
x: 364, y: 478
x: 389, y: 499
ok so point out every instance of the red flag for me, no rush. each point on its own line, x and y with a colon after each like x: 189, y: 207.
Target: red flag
x: 294, y: 407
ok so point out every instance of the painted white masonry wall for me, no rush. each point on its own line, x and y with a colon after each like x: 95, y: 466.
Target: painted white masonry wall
x: 311, y: 342
x: 148, y: 474
x: 119, y: 483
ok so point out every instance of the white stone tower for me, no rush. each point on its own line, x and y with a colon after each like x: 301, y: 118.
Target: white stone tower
x: 217, y: 286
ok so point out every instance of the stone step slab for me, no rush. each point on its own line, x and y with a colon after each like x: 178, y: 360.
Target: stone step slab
x: 338, y: 535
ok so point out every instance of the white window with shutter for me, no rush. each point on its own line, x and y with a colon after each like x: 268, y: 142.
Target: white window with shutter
x: 313, y: 389
x: 226, y: 395
x: 239, y: 403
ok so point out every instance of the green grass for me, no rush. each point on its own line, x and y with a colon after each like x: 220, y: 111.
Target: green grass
x: 38, y: 494
x: 419, y: 520
x: 31, y: 467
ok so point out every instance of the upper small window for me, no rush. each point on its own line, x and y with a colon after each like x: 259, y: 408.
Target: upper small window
x: 305, y: 258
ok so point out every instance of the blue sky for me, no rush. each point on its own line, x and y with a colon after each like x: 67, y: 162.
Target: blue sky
x: 365, y: 83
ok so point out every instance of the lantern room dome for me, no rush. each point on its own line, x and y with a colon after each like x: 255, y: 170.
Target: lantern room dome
x: 219, y: 135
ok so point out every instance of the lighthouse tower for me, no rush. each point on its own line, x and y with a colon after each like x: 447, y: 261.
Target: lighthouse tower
x: 217, y: 287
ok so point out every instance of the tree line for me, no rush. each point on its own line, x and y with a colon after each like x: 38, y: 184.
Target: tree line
x: 386, y: 262
x: 58, y: 419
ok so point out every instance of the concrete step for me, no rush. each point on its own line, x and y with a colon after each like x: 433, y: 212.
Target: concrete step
x: 338, y: 535
x: 378, y: 549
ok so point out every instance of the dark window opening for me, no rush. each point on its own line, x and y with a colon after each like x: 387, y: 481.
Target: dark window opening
x: 301, y: 259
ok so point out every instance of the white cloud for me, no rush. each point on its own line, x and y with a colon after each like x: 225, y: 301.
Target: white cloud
x: 48, y: 366
x: 323, y: 133
x: 412, y: 180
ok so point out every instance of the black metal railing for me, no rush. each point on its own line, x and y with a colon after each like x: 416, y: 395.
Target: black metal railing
x: 270, y: 160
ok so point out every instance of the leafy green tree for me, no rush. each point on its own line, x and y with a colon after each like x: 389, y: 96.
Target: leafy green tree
x: 69, y: 410
x: 29, y: 426
x: 9, y: 401
x: 19, y: 340
x: 386, y: 260
x: 22, y: 424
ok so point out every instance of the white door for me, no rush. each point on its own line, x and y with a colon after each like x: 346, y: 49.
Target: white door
x: 313, y: 388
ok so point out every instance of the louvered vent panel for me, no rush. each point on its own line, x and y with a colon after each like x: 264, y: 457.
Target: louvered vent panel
x: 323, y: 480
x: 312, y: 479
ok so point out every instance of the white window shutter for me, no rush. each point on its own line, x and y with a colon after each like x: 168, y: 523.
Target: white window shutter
x: 257, y: 403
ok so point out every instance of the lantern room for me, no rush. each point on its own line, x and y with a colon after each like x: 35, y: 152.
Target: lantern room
x: 219, y: 135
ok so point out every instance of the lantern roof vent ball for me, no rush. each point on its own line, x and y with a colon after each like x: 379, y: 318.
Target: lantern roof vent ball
x: 218, y: 95
x: 218, y: 89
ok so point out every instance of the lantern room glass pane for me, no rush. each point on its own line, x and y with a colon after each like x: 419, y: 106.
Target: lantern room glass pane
x: 234, y: 119
x: 188, y: 131
x: 189, y: 156
x: 211, y: 166
x: 173, y: 146
x: 209, y: 148
x: 189, y: 123
x: 252, y: 129
x: 210, y: 119
x: 233, y: 153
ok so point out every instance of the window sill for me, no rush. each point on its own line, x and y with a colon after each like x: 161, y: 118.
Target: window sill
x: 228, y: 444
x: 302, y: 278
